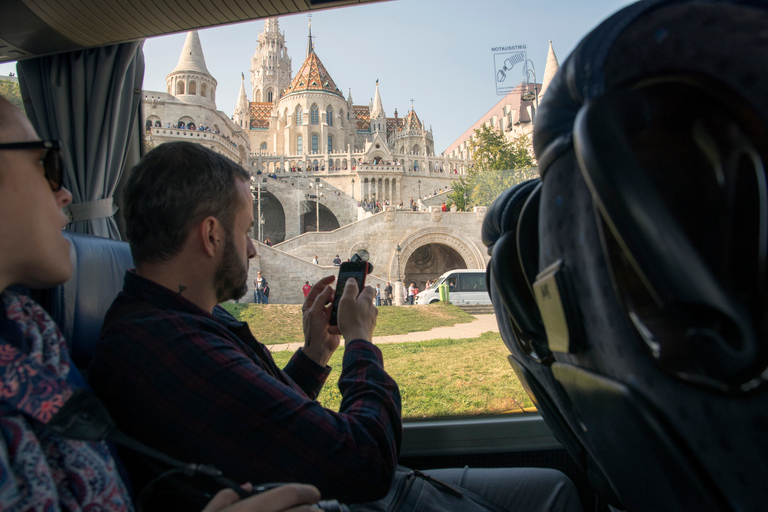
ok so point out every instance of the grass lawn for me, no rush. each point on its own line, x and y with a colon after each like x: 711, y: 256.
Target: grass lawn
x: 281, y: 323
x: 443, y: 377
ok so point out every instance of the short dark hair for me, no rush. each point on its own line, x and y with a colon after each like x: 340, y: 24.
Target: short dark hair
x: 172, y: 188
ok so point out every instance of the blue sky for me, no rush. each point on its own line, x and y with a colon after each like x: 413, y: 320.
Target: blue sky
x: 436, y: 52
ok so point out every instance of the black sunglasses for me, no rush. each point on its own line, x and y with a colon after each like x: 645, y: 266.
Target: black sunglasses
x: 51, y: 159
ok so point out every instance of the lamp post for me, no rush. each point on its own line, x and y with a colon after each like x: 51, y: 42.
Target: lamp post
x: 399, y: 283
x: 318, y: 186
x: 397, y: 251
x: 256, y: 194
x: 531, y: 95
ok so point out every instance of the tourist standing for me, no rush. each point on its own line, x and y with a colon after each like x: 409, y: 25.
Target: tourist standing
x: 388, y: 294
x: 259, y: 285
x: 306, y: 288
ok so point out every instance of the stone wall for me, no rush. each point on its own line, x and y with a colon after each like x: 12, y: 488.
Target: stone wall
x: 289, y: 264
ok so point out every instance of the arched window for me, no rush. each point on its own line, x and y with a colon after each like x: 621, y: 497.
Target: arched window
x: 263, y: 146
x: 341, y: 118
x: 269, y: 95
x: 180, y: 87
x: 299, y: 145
x: 314, y: 115
x: 416, y: 150
x: 149, y: 124
x: 415, y: 165
x: 213, y: 94
x: 299, y: 116
x: 192, y: 87
x: 329, y: 115
x: 203, y: 89
x: 330, y: 144
x: 158, y: 124
x: 314, y: 144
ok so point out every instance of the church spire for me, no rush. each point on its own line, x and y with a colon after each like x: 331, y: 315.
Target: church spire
x: 310, y: 46
x: 550, y: 69
x: 378, y: 108
x: 242, y: 101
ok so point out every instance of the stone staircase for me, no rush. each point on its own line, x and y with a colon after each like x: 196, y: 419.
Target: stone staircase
x: 478, y: 309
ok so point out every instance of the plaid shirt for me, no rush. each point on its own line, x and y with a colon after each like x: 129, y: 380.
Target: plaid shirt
x: 200, y: 388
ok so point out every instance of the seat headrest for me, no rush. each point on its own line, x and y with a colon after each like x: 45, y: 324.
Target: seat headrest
x: 79, y: 305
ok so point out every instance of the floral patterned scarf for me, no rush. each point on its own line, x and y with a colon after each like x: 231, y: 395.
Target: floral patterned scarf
x: 43, y: 471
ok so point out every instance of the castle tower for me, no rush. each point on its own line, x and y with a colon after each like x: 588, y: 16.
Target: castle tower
x: 378, y: 117
x: 270, y: 65
x: 242, y: 116
x: 191, y: 81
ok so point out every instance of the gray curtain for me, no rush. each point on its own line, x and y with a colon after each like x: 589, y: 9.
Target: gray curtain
x: 88, y: 100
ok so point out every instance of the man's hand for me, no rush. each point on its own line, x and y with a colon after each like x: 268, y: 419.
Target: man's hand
x: 286, y: 498
x: 319, y: 342
x: 357, y: 314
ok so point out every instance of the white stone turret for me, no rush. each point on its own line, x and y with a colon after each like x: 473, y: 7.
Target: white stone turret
x: 191, y: 81
x: 378, y: 117
x: 270, y: 65
x: 242, y: 115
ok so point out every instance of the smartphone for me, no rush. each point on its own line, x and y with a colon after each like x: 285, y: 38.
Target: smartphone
x: 356, y: 270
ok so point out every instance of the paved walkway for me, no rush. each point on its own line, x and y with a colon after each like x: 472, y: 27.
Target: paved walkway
x: 481, y: 324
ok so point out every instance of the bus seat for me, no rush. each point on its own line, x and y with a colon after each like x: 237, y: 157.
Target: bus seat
x: 631, y: 282
x: 79, y: 305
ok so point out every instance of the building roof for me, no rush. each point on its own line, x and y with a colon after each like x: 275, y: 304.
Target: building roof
x: 260, y: 114
x: 411, y: 122
x: 192, y: 58
x: 313, y: 77
x: 363, y: 117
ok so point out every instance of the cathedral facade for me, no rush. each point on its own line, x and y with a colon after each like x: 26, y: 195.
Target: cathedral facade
x: 328, y: 155
x: 303, y: 122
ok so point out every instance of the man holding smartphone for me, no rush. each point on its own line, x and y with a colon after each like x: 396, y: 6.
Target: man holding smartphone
x: 178, y: 372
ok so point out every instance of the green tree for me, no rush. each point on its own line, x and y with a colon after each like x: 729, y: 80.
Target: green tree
x: 498, y: 164
x: 460, y: 195
x: 10, y: 91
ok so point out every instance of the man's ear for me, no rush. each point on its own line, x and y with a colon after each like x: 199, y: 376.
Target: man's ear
x: 211, y: 235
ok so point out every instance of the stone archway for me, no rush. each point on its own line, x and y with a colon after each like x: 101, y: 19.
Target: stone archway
x: 328, y: 221
x: 274, y: 218
x: 465, y: 250
x: 429, y: 262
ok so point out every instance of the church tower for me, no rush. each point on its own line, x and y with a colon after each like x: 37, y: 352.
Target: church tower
x: 378, y: 117
x: 190, y: 81
x: 270, y: 65
x: 242, y: 116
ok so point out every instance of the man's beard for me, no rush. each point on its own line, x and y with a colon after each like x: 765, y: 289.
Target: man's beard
x: 232, y: 276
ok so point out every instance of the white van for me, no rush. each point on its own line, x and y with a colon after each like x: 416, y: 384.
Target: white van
x: 465, y: 286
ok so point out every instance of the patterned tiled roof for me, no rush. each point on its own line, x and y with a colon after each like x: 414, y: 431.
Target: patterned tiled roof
x: 260, y: 114
x: 312, y: 76
x: 394, y: 124
x: 411, y: 122
x: 363, y: 117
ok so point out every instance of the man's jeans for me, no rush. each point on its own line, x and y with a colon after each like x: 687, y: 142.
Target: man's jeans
x: 260, y: 298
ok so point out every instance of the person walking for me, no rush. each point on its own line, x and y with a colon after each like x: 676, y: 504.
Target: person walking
x: 388, y: 294
x: 306, y: 288
x: 378, y: 295
x: 411, y: 293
